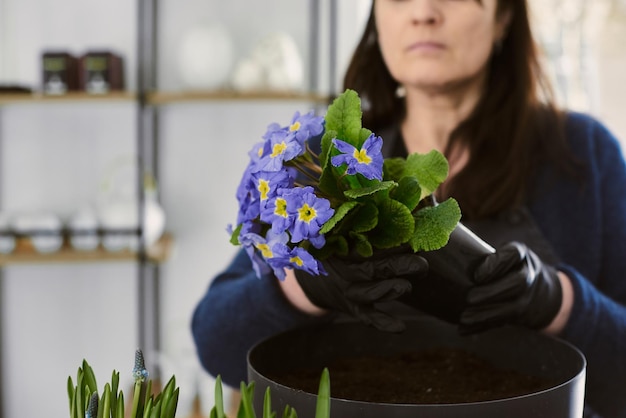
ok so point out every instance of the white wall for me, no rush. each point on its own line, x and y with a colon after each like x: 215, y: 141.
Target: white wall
x: 54, y: 158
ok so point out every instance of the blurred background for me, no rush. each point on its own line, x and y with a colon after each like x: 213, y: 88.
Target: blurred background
x: 121, y: 114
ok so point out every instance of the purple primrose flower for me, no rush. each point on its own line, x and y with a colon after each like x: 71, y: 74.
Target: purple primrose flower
x: 310, y: 213
x: 293, y: 258
x: 306, y: 126
x: 367, y: 161
x: 280, y: 147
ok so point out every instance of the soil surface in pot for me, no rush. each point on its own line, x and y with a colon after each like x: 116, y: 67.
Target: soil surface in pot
x: 436, y: 376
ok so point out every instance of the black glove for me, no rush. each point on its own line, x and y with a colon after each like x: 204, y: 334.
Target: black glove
x: 512, y: 286
x: 354, y: 287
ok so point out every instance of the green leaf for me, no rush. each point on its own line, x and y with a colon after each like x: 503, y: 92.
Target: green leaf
x: 370, y: 190
x: 246, y: 409
x: 115, y: 382
x: 219, y: 398
x: 335, y: 245
x: 363, y: 135
x: 120, y: 405
x: 167, y: 393
x: 434, y: 224
x: 395, y: 225
x: 289, y: 412
x: 148, y: 394
x: 430, y: 169
x: 339, y: 214
x: 322, y: 408
x: 135, y: 412
x: 234, y: 237
x: 365, y: 218
x: 393, y: 168
x: 80, y: 397
x: 147, y: 409
x: 106, y: 402
x: 73, y: 409
x: 171, y: 405
x: 267, y: 404
x: 362, y: 245
x: 90, y: 377
x: 327, y: 146
x: 70, y: 390
x: 408, y: 192
x: 157, y: 407
x: 329, y: 182
x: 344, y: 117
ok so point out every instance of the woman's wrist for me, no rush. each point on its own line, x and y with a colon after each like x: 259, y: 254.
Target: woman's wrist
x: 562, y: 317
x: 296, y: 296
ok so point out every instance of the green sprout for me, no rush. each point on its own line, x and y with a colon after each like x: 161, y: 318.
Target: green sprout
x: 85, y: 402
x: 246, y: 408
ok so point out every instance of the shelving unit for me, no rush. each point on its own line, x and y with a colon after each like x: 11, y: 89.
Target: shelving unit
x: 149, y: 101
x: 163, y: 98
x: 25, y: 254
x: 153, y: 100
x: 146, y: 258
x: 26, y: 98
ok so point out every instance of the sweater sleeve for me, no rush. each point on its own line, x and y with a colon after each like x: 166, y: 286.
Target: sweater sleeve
x: 238, y: 311
x: 597, y: 327
x: 597, y: 324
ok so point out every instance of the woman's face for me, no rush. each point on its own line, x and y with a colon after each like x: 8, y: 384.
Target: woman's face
x: 437, y: 44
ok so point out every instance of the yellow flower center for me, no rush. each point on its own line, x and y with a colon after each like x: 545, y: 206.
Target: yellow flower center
x: 265, y: 249
x: 362, y: 157
x: 297, y: 261
x: 278, y: 149
x: 306, y: 213
x: 264, y: 188
x: 281, y: 207
x: 295, y: 126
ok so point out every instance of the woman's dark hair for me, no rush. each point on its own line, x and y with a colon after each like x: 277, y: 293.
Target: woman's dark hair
x: 511, y: 129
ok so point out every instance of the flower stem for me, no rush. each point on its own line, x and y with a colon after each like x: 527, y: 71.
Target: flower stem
x: 140, y: 374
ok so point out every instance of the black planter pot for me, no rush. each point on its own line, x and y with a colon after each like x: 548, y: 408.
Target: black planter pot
x: 443, y: 292
x: 512, y: 348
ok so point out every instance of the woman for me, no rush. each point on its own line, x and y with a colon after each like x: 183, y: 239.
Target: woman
x: 545, y: 187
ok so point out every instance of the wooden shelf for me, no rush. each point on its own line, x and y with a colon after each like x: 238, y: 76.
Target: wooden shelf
x: 25, y: 254
x: 13, y: 98
x: 167, y: 97
x: 161, y: 97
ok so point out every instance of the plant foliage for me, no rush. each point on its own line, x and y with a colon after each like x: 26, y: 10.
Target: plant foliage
x: 321, y: 187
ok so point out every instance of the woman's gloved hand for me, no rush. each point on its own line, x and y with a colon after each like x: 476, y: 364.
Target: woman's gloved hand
x: 512, y: 286
x: 354, y: 287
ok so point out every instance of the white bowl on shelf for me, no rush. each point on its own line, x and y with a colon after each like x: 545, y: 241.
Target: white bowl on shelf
x: 122, y: 215
x: 43, y: 229
x: 83, y: 230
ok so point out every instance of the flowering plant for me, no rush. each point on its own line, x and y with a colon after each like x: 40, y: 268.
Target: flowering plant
x: 302, y: 199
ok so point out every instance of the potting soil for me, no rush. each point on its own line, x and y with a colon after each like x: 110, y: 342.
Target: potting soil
x: 435, y: 376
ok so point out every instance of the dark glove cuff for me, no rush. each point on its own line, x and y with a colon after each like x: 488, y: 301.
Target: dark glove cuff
x: 553, y: 298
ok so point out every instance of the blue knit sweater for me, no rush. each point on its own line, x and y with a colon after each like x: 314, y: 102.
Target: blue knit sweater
x: 587, y: 229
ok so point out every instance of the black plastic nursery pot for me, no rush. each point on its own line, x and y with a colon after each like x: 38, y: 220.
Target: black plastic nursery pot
x: 508, y: 348
x: 442, y: 293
